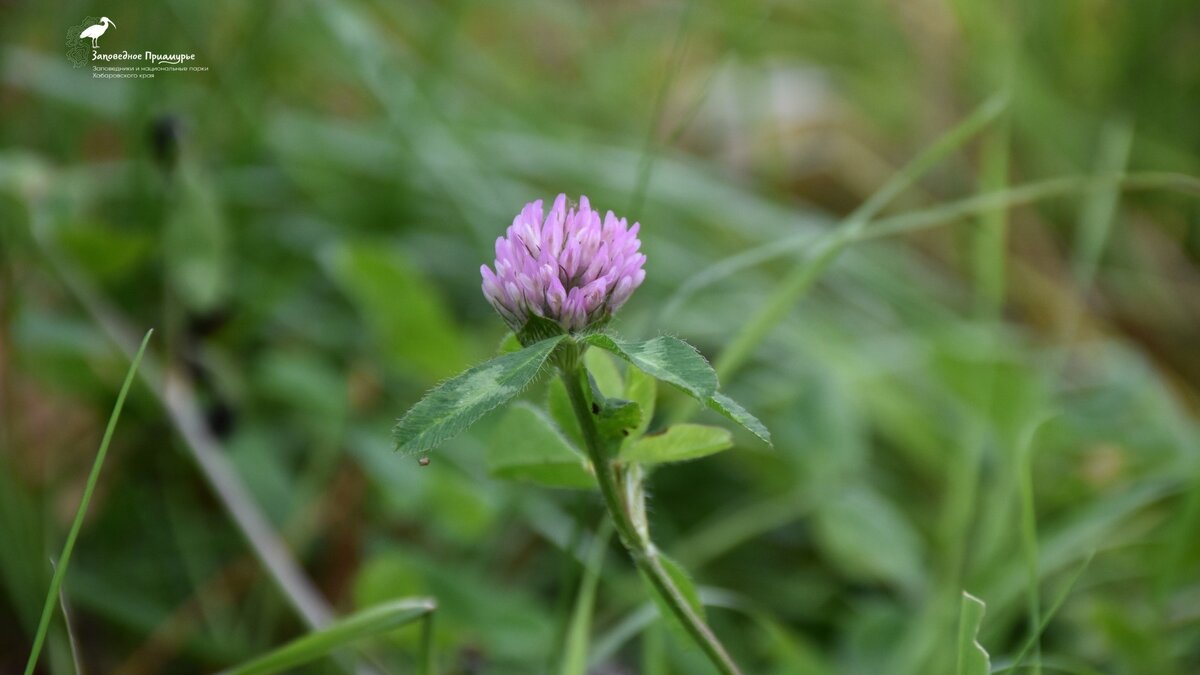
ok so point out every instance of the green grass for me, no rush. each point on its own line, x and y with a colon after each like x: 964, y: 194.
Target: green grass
x: 53, y: 596
x: 948, y: 257
x: 358, y: 626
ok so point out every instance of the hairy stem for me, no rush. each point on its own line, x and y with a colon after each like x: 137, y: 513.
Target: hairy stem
x: 640, y: 548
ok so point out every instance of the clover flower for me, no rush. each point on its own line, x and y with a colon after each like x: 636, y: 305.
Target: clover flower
x: 568, y: 266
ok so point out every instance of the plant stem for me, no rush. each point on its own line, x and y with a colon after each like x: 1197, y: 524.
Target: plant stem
x: 640, y: 548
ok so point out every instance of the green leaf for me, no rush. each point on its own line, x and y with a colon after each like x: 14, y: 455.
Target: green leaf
x: 972, y: 657
x: 509, y: 344
x: 617, y: 419
x: 614, y: 417
x: 563, y: 414
x: 675, y: 361
x: 643, y: 390
x: 527, y: 446
x: 325, y: 641
x: 575, y: 651
x: 865, y: 537
x: 677, y: 443
x: 407, y: 318
x: 734, y: 411
x: 458, y: 402
x: 603, y: 369
x: 667, y: 358
x: 538, y: 328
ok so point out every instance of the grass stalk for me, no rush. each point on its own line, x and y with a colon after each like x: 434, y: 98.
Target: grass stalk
x: 575, y: 652
x: 802, y: 277
x: 64, y: 560
x: 324, y: 642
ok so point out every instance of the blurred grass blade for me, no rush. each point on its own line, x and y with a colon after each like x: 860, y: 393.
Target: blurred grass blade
x: 1099, y: 209
x: 1058, y: 603
x: 609, y: 643
x: 924, y: 219
x: 60, y: 570
x: 67, y: 621
x: 1028, y: 529
x: 324, y: 642
x: 972, y: 657
x: 179, y: 399
x: 575, y: 652
x: 807, y: 272
x: 654, y: 650
x: 1095, y: 223
x: 427, y: 658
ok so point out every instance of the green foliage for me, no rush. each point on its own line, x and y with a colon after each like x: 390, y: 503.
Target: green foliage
x: 509, y: 344
x: 324, y: 642
x: 677, y: 443
x: 64, y: 559
x: 409, y: 324
x: 575, y: 651
x: 309, y: 257
x: 196, y: 243
x: 458, y: 402
x: 972, y: 657
x: 642, y: 390
x: 734, y: 411
x: 676, y: 362
x: 506, y: 620
x: 667, y: 358
x: 539, y: 328
x: 615, y: 418
x: 526, y: 446
x: 858, y: 529
x: 602, y: 367
x: 560, y: 410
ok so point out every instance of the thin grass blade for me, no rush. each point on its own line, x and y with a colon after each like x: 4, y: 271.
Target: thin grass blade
x: 64, y: 560
x: 318, y: 644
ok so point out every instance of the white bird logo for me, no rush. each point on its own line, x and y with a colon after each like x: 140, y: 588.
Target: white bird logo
x: 96, y: 31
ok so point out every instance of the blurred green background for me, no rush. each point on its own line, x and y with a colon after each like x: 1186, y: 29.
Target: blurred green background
x: 1004, y: 404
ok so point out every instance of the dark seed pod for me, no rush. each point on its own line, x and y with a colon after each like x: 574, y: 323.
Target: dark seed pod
x: 166, y: 134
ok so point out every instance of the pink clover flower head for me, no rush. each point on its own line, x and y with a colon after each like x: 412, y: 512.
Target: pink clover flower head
x: 569, y: 266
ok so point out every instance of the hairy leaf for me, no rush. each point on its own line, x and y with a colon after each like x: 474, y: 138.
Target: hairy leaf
x: 666, y: 358
x: 734, y: 411
x: 458, y: 402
